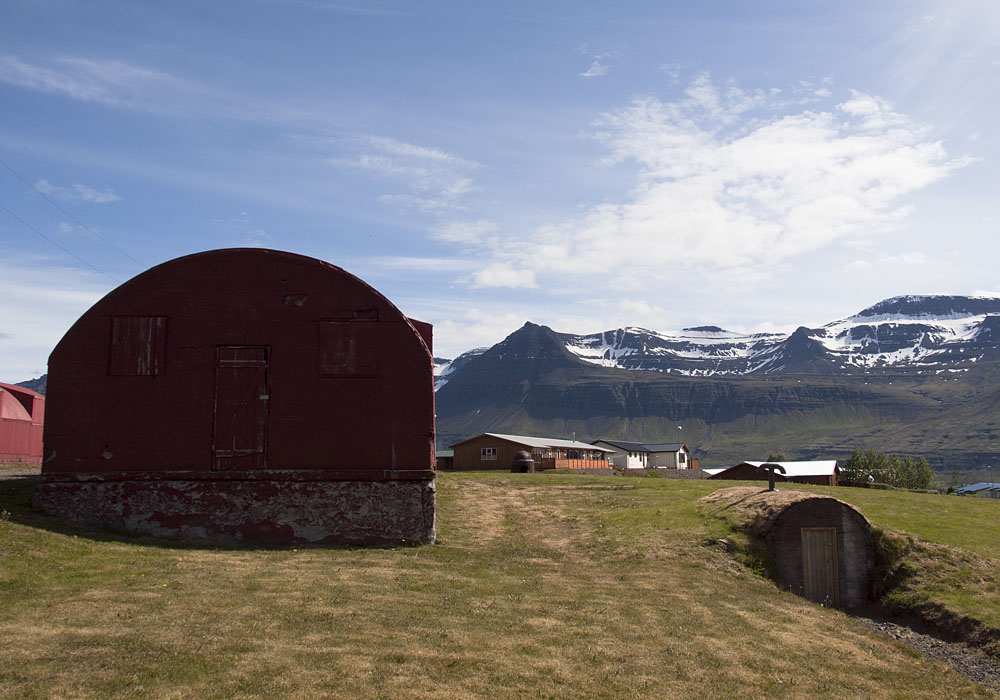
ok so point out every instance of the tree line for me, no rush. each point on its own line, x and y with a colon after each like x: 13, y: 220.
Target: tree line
x: 901, y: 471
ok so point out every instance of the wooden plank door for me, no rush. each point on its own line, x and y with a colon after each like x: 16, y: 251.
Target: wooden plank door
x: 819, y: 565
x: 241, y: 400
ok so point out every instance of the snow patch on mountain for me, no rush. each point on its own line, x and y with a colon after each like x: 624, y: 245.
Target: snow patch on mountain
x: 443, y: 369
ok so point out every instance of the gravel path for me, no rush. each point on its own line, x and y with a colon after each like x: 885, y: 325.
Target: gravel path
x: 970, y: 662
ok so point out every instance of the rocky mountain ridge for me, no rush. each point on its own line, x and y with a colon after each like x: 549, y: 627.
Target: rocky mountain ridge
x: 909, y: 334
x: 909, y: 374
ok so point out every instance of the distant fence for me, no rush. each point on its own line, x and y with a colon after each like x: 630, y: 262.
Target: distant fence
x: 664, y: 473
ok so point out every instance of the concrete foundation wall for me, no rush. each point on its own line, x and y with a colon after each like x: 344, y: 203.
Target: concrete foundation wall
x: 257, y: 511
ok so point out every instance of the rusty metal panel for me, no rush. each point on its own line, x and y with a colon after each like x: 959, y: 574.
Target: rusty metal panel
x: 820, y: 573
x: 348, y: 349
x: 241, y: 402
x: 137, y: 346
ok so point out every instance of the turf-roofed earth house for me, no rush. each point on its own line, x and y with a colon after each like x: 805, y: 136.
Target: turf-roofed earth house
x: 244, y: 395
x: 820, y: 547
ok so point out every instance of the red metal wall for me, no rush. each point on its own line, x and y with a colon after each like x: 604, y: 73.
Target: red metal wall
x: 150, y: 377
x: 22, y: 414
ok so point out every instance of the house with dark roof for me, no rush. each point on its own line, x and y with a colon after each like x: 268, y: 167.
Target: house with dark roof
x: 638, y: 455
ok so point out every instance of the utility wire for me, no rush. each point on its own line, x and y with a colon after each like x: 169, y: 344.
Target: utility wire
x: 63, y: 248
x: 56, y: 205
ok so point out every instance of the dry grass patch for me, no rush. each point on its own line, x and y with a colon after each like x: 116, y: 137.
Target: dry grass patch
x: 568, y: 592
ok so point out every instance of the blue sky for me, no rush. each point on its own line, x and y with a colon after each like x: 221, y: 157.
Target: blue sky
x: 584, y: 165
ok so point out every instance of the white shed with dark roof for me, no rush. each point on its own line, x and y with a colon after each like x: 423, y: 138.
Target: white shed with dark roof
x: 639, y: 455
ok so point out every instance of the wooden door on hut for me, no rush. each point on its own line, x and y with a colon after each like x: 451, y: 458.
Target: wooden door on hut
x: 820, y: 577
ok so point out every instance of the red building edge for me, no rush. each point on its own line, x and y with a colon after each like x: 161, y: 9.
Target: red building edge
x: 244, y: 396
x: 22, y: 417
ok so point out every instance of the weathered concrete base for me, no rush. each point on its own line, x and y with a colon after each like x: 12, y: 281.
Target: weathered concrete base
x: 257, y: 511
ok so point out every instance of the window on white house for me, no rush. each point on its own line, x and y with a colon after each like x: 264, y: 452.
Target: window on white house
x: 488, y: 453
x: 682, y: 457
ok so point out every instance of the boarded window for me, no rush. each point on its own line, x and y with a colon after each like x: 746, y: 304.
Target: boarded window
x: 348, y: 348
x: 137, y: 346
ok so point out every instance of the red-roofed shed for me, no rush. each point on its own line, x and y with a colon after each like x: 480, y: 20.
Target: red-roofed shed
x: 22, y: 413
x: 244, y: 395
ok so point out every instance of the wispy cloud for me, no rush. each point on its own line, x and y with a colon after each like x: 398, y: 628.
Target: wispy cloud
x: 465, y: 231
x: 596, y: 69
x: 77, y: 193
x: 41, y: 302
x: 883, y: 261
x: 435, y: 179
x: 726, y: 187
x: 420, y: 264
x: 92, y: 80
x: 598, y: 62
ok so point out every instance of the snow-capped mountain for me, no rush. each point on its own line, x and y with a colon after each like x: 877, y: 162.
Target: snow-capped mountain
x: 909, y: 333
x: 443, y: 369
x: 913, y: 374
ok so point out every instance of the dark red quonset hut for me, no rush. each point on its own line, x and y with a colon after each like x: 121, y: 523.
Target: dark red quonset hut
x: 22, y: 413
x: 244, y: 395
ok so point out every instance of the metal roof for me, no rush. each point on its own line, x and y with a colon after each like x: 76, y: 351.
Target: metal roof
x: 548, y: 442
x: 976, y: 488
x: 667, y: 447
x: 643, y: 447
x: 817, y: 468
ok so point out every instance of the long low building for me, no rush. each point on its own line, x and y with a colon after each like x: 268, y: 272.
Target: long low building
x: 821, y: 472
x: 496, y: 451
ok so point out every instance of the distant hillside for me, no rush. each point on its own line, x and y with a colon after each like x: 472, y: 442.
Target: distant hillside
x: 909, y: 374
x: 35, y: 384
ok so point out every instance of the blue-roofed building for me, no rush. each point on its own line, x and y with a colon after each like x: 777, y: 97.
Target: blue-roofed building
x: 983, y: 488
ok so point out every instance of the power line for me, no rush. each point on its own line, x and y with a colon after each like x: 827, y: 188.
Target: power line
x: 56, y: 205
x: 63, y: 248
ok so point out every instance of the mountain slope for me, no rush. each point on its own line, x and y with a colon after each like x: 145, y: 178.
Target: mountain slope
x: 899, y: 376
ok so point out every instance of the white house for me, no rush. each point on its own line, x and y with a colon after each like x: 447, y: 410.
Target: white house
x: 638, y: 455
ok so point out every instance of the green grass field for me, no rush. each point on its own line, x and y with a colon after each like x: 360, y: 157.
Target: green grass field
x: 541, y: 586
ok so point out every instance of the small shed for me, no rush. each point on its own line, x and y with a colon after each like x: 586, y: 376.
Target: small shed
x: 819, y: 472
x: 244, y: 395
x: 445, y: 460
x: 22, y: 416
x: 821, y: 547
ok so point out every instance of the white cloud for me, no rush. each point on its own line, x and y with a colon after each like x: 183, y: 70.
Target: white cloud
x: 40, y: 304
x: 504, y: 275
x: 91, y: 80
x: 911, y: 259
x: 437, y: 180
x: 596, y: 70
x: 418, y: 264
x: 726, y: 189
x: 77, y: 193
x: 474, y: 327
x: 465, y: 231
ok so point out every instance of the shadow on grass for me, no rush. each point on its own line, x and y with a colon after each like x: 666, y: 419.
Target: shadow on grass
x: 17, y: 490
